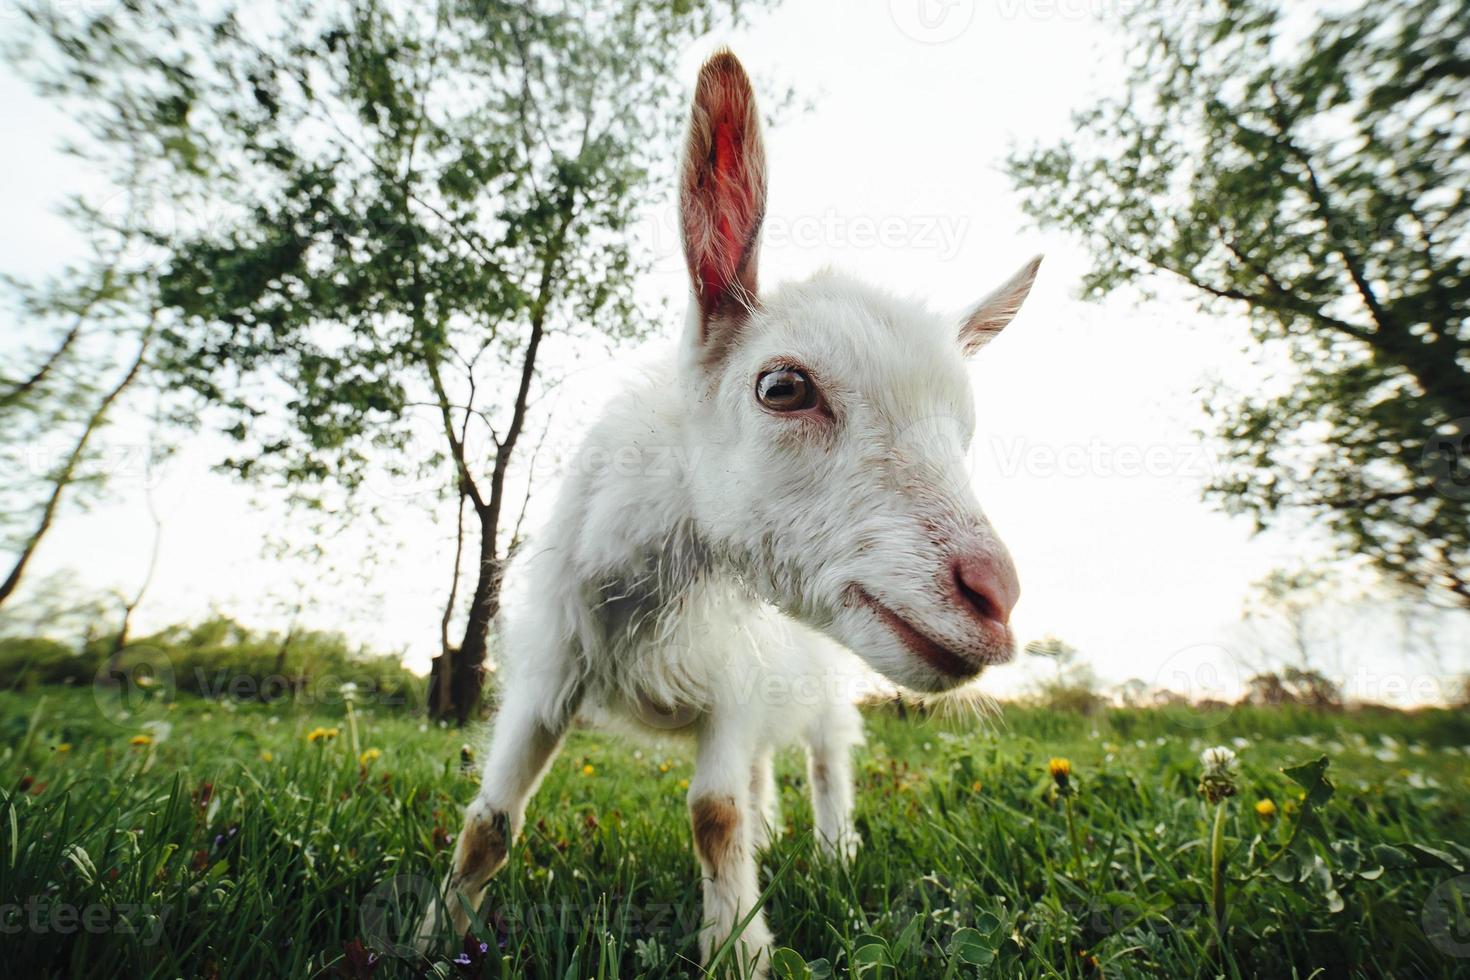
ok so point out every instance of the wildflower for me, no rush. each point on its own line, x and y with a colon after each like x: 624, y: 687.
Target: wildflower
x: 1266, y: 810
x: 663, y: 767
x: 587, y: 770
x: 369, y: 755
x: 1216, y: 785
x: 474, y: 954
x: 1061, y: 774
x: 267, y: 756
x: 975, y: 787
x: 64, y: 747
x: 159, y: 730
x: 1218, y: 780
x: 1219, y: 758
x: 141, y: 740
x: 322, y: 734
x: 683, y: 784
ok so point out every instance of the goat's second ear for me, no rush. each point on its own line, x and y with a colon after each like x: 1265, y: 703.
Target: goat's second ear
x: 722, y: 198
x: 991, y: 314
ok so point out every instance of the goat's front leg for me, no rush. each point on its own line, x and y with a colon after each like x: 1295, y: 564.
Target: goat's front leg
x: 522, y: 745
x: 724, y: 841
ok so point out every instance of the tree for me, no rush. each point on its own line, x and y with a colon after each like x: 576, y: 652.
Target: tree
x: 1309, y: 688
x: 1311, y: 171
x: 1292, y: 616
x: 69, y: 394
x: 1054, y: 648
x: 407, y: 205
x: 1074, y: 688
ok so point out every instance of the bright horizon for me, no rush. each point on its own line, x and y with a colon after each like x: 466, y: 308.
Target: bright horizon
x: 1088, y: 461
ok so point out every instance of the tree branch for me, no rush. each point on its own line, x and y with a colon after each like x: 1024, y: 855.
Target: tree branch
x: 14, y: 395
x: 68, y: 470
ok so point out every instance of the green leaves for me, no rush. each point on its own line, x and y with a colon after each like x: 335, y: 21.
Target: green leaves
x: 973, y: 947
x: 787, y: 964
x: 1312, y: 777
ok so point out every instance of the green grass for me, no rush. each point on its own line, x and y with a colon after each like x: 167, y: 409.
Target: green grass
x: 234, y: 847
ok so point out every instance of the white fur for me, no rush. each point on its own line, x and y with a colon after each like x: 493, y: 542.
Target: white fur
x: 699, y: 573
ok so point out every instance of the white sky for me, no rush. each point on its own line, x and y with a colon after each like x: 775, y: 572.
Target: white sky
x: 1086, y: 462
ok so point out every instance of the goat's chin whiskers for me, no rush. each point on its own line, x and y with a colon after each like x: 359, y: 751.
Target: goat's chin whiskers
x: 966, y: 704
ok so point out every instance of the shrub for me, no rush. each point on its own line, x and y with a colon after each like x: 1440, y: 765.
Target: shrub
x: 221, y: 659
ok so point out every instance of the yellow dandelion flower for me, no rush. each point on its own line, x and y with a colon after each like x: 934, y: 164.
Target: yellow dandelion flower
x: 267, y: 756
x: 683, y: 784
x: 587, y: 770
x: 64, y: 747
x: 368, y: 755
x: 322, y: 734
x: 663, y: 767
x: 975, y: 786
x: 141, y: 740
x: 1266, y: 810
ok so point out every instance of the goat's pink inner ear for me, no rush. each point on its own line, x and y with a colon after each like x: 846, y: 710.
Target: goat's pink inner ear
x: 722, y: 197
x: 990, y: 316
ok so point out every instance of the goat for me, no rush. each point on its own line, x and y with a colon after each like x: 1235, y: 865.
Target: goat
x: 822, y: 511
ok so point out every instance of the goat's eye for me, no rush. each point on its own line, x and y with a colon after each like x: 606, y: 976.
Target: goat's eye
x: 786, y: 390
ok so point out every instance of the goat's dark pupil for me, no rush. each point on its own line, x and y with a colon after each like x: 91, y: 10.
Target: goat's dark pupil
x: 784, y: 390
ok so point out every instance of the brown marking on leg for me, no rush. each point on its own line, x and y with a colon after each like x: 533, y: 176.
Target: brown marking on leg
x: 482, y: 849
x: 716, y: 821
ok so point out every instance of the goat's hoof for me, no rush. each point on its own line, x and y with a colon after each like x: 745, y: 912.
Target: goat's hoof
x: 750, y: 959
x: 844, y: 849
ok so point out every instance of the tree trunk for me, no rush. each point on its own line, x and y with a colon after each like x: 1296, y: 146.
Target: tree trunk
x: 457, y: 675
x: 466, y: 666
x: 467, y: 679
x: 124, y: 633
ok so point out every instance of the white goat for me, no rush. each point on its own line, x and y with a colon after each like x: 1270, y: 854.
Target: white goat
x: 822, y: 498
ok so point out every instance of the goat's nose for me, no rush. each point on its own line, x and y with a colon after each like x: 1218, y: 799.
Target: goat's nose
x: 987, y: 584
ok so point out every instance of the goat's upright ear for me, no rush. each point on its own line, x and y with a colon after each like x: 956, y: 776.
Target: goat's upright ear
x: 993, y: 312
x: 722, y: 200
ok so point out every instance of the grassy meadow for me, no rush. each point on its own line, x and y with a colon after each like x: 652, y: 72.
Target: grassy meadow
x: 193, y: 838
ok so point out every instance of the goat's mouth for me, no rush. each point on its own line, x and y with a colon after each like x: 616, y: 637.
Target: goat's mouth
x: 919, y: 643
